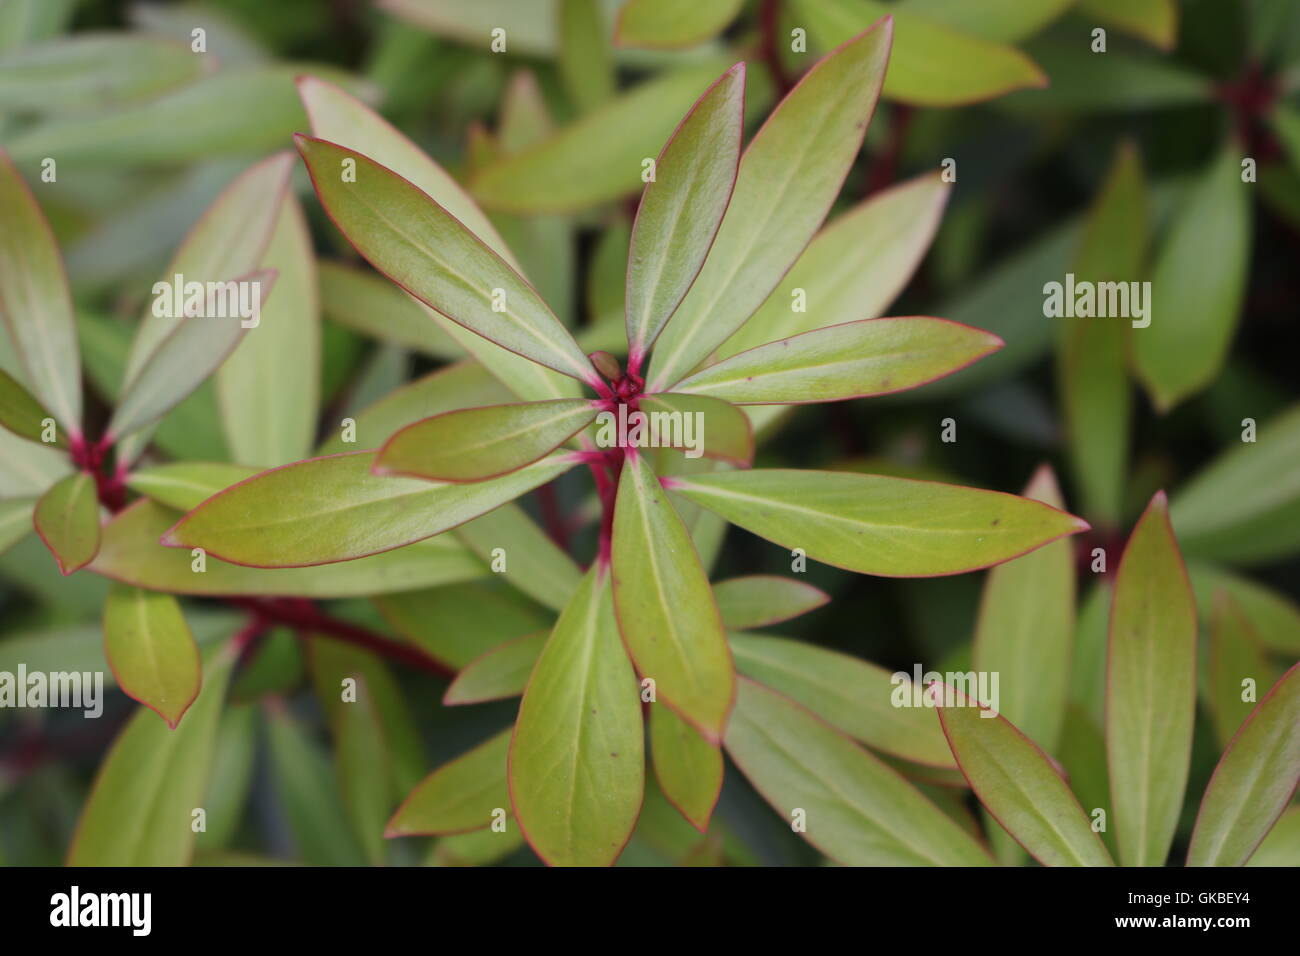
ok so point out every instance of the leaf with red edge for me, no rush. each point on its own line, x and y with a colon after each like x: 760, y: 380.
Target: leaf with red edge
x: 67, y: 519
x: 459, y: 796
x: 759, y: 600
x: 1150, y: 689
x: 498, y: 673
x: 1017, y: 783
x: 721, y: 431
x: 688, y: 767
x: 151, y: 651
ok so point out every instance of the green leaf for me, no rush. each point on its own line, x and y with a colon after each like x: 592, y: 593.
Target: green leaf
x: 227, y: 241
x: 932, y: 64
x: 67, y: 519
x: 459, y: 623
x: 1129, y: 83
x: 1003, y: 21
x: 1273, y: 617
x: 854, y: 267
x: 577, y: 763
x: 459, y: 796
x: 497, y: 674
x: 722, y: 431
x: 368, y: 303
x: 477, y: 443
x: 1093, y: 352
x: 28, y: 470
x: 268, y: 405
x: 139, y: 809
x: 672, y: 24
x: 21, y: 413
x: 784, y: 188
x: 1253, y: 782
x: 1150, y: 689
x: 1235, y: 656
x: 15, y: 521
x: 334, y: 509
x: 233, y: 758
x: 35, y: 305
x: 533, y: 26
x: 308, y: 796
x: 151, y: 650
x: 185, y: 485
x: 666, y: 611
x: 422, y: 247
x: 192, y: 351
x: 1197, y: 286
x: 681, y: 210
x: 534, y: 564
x: 856, y: 809
x: 852, y: 695
x: 1025, y: 630
x: 1281, y: 847
x: 872, y: 524
x: 586, y: 66
x: 130, y: 553
x: 1245, y: 505
x: 242, y: 111
x: 853, y: 360
x: 93, y: 71
x: 1155, y: 21
x: 465, y: 384
x: 362, y: 764
x: 1017, y: 783
x: 342, y: 119
x: 760, y: 600
x: 688, y: 767
x: 597, y: 158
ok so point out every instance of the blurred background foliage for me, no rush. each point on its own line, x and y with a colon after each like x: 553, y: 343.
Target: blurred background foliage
x: 549, y: 136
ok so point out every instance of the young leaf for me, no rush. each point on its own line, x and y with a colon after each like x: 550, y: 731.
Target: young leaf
x: 681, y: 210
x: 1017, y: 783
x: 67, y: 519
x: 130, y: 553
x: 1253, y: 782
x: 933, y: 64
x: 1197, y: 286
x: 1025, y: 630
x: 759, y: 600
x: 856, y: 810
x: 139, y: 812
x: 872, y: 524
x: 853, y: 360
x: 340, y: 118
x: 597, y: 158
x: 577, y: 762
x: 459, y: 796
x: 1235, y: 657
x: 666, y: 611
x: 151, y: 651
x: 688, y: 767
x: 22, y: 414
x: 497, y: 674
x: 422, y: 247
x: 334, y: 509
x: 1093, y: 368
x: 672, y: 24
x: 1245, y: 505
x: 852, y: 695
x: 192, y: 351
x: 783, y: 191
x: 268, y: 405
x: 723, y: 433
x: 35, y: 304
x: 477, y: 443
x: 1150, y: 689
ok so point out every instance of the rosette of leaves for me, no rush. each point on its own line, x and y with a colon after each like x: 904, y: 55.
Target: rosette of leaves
x: 715, y: 233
